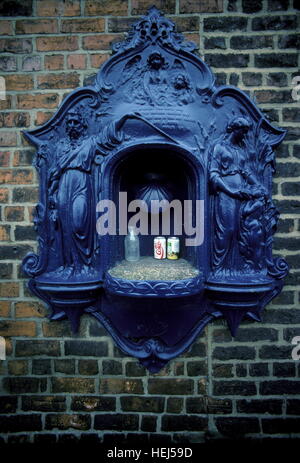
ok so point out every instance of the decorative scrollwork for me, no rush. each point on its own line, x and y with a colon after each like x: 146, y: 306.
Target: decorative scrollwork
x: 139, y: 288
x: 154, y: 28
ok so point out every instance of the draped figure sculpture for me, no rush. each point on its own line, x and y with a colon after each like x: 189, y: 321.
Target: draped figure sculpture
x: 71, y: 190
x: 237, y: 197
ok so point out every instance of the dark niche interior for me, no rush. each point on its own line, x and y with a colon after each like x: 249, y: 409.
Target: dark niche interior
x: 158, y: 174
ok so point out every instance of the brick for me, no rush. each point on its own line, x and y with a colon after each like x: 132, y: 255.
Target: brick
x: 14, y: 252
x: 5, y: 271
x: 141, y: 6
x: 16, y: 8
x: 25, y: 233
x: 9, y: 289
x: 259, y: 369
x: 120, y: 24
x: 44, y: 403
x: 15, y: 45
x: 278, y: 387
x: 56, y: 329
x: 111, y: 367
x: 118, y: 421
x: 251, y: 6
x: 120, y: 386
x: 8, y: 404
x: 223, y: 371
x: 31, y: 63
x: 66, y: 366
x: 6, y: 27
x: 92, y: 403
x: 88, y: 367
x: 16, y: 176
x: 76, y: 61
x: 77, y: 385
x: 54, y: 62
x: 61, y: 80
x: 239, y: 353
x: 186, y: 23
x: 215, y: 43
x: 259, y: 406
x: 18, y: 367
x: 234, y: 388
x: 266, y: 60
x: 184, y: 423
x: 83, y: 25
x: 233, y: 427
x: 4, y: 194
x: 275, y: 352
x: 7, y: 139
x: 174, y: 405
x: 42, y: 117
x: 17, y: 328
x: 256, y: 334
x: 66, y: 421
x: 8, y: 63
x: 101, y: 42
x: 170, y: 386
x: 24, y: 195
x: 36, y: 26
x: 197, y: 368
x: 289, y: 41
x: 291, y: 114
x: 24, y: 385
x: 4, y: 233
x: 293, y: 407
x: 241, y: 370
x: 38, y: 100
x: 41, y: 367
x: 227, y: 61
x: 245, y: 42
x: 274, y: 23
x: 277, y: 5
x: 284, y: 370
x: 197, y: 349
x: 86, y: 348
x: 18, y: 423
x: 290, y: 189
x: 277, y: 79
x: 23, y: 158
x: 4, y: 308
x: 98, y: 59
x: 14, y: 213
x: 59, y: 43
x: 280, y: 425
x: 37, y: 347
x: 204, y: 405
x: 225, y: 24
x: 134, y: 369
x: 14, y: 119
x: 105, y: 7
x: 196, y: 6
x: 142, y: 404
x: 58, y: 8
x: 286, y: 243
x: 271, y: 96
x: 148, y: 423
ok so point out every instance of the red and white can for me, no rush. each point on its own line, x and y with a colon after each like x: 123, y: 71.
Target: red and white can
x: 160, y: 247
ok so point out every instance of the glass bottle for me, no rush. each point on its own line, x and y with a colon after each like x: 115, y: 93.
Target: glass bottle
x: 132, y: 246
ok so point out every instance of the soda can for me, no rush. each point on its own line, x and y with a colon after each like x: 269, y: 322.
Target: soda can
x: 159, y: 247
x: 173, y: 248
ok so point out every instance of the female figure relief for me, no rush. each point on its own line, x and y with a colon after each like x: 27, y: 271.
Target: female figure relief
x: 232, y: 185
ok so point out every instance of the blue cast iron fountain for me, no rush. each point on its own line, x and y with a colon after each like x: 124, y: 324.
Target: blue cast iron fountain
x: 154, y: 125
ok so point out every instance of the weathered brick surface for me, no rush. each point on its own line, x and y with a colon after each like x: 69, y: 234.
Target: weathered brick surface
x: 55, y: 387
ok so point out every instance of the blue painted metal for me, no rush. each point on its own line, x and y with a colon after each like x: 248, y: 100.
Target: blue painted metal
x: 155, y: 125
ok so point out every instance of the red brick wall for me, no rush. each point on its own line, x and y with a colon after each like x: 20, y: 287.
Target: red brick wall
x: 56, y: 386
